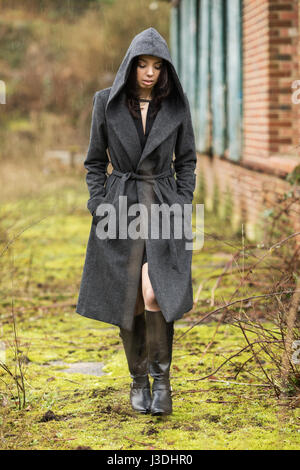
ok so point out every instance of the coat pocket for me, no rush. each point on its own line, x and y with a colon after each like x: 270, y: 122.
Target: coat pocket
x: 173, y: 184
x: 111, y: 179
x: 110, y: 183
x: 173, y: 187
x: 176, y: 197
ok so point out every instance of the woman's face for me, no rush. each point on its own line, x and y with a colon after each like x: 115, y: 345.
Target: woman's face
x: 148, y: 70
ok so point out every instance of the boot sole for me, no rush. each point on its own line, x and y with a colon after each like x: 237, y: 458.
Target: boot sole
x: 143, y: 412
x: 161, y: 413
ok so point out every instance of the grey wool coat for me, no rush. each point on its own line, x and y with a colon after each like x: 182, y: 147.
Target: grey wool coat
x: 112, y: 270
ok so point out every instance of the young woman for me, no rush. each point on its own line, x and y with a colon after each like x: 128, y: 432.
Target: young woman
x: 142, y: 284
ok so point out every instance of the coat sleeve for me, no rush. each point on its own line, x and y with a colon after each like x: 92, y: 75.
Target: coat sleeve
x: 96, y: 161
x: 185, y: 157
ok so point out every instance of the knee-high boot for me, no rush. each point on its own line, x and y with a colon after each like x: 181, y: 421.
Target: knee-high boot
x: 135, y: 347
x: 160, y: 343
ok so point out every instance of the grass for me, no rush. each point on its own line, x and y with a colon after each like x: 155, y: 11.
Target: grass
x: 41, y: 273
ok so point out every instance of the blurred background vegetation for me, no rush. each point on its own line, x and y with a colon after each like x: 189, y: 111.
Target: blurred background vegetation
x: 54, y: 56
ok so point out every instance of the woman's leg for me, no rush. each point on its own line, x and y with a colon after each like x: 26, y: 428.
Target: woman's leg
x: 148, y: 293
x: 135, y: 346
x: 159, y: 344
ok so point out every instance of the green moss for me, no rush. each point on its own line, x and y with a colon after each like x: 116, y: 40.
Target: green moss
x: 95, y: 411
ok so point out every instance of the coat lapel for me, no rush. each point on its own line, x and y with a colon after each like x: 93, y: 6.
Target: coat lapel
x: 118, y: 116
x: 120, y: 119
x: 167, y: 119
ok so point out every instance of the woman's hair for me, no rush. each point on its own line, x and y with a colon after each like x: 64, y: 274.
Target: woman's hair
x: 163, y: 88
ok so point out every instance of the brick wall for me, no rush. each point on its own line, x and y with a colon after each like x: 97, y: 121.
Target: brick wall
x: 270, y: 65
x: 271, y: 122
x: 250, y: 193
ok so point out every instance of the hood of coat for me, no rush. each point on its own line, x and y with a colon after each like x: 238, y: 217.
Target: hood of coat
x: 147, y: 42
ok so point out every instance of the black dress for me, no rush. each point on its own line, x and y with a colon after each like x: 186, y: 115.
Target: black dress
x: 143, y: 138
x: 139, y: 124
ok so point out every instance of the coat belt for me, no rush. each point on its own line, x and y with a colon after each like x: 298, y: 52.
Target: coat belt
x: 152, y: 179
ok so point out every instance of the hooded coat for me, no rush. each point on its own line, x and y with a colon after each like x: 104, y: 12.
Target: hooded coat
x: 162, y: 173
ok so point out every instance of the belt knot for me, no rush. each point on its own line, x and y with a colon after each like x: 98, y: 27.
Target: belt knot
x: 152, y: 179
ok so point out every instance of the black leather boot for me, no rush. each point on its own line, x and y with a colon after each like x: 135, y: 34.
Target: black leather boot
x: 160, y: 342
x: 135, y: 347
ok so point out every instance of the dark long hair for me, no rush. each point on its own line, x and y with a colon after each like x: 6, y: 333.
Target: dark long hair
x: 163, y: 88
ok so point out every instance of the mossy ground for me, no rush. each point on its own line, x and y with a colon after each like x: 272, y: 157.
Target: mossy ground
x: 41, y: 273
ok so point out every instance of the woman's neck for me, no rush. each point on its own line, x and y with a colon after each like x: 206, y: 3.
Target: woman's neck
x: 145, y: 96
